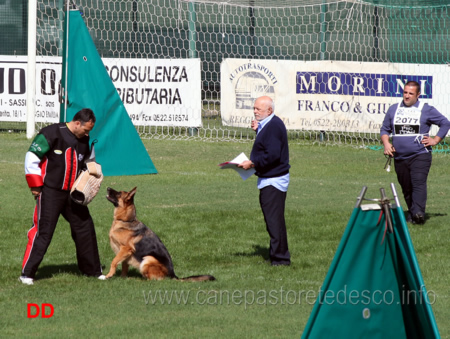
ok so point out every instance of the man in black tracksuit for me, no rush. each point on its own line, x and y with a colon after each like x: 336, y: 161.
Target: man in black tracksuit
x: 52, y: 164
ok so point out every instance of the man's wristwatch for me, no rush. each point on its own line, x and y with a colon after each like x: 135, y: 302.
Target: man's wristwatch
x: 252, y: 165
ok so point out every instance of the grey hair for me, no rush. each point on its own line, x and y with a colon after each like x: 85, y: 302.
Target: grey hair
x: 272, y: 105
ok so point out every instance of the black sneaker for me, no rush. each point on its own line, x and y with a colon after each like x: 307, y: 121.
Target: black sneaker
x: 419, y: 219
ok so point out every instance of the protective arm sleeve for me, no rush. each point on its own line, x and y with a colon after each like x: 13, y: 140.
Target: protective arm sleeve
x: 33, y: 172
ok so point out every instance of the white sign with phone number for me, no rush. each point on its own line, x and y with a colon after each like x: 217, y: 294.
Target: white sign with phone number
x: 154, y: 92
x: 13, y: 91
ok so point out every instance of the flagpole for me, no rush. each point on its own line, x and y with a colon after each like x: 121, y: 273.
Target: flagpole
x: 31, y: 68
x: 66, y: 59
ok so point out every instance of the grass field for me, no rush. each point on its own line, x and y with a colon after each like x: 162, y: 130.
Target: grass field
x: 210, y: 221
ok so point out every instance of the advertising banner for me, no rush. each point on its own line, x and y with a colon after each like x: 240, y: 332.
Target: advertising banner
x: 154, y: 92
x: 323, y: 95
x: 164, y: 92
x: 13, y: 88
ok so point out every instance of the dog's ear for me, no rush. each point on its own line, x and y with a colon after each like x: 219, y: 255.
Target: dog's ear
x: 131, y: 194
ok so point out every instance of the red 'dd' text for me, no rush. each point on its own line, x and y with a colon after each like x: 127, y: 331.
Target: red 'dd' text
x: 33, y: 310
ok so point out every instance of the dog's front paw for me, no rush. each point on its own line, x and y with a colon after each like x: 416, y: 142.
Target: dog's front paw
x: 109, y: 275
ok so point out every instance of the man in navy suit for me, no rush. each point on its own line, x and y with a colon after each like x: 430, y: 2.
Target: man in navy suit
x: 270, y: 158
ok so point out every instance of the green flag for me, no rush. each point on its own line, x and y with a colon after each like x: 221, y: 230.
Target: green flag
x: 119, y: 149
x: 374, y: 288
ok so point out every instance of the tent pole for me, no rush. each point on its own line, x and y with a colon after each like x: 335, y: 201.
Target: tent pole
x: 361, y: 197
x: 394, y: 192
x: 386, y: 209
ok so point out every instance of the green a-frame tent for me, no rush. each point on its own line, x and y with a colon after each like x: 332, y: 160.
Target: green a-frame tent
x: 374, y: 287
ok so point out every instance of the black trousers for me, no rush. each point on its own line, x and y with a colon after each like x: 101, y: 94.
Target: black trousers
x: 49, y: 206
x: 412, y: 175
x: 272, y: 203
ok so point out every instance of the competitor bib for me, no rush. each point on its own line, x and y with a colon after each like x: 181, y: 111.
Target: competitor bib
x: 407, y: 120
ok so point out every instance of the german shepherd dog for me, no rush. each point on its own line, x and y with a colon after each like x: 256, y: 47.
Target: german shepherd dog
x: 136, y: 245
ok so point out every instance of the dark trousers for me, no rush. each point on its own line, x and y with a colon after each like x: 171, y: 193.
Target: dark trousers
x: 272, y: 203
x: 49, y: 206
x: 412, y: 175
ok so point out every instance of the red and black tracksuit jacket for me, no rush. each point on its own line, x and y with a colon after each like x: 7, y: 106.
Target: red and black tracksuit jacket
x: 56, y: 157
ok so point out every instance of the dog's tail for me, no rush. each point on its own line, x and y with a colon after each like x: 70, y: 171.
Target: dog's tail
x: 204, y: 277
x: 153, y: 269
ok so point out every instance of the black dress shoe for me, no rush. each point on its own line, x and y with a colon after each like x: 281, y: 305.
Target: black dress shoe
x: 409, y: 218
x: 419, y: 219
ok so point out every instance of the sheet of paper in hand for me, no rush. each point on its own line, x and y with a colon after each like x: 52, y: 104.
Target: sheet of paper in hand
x: 245, y: 174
